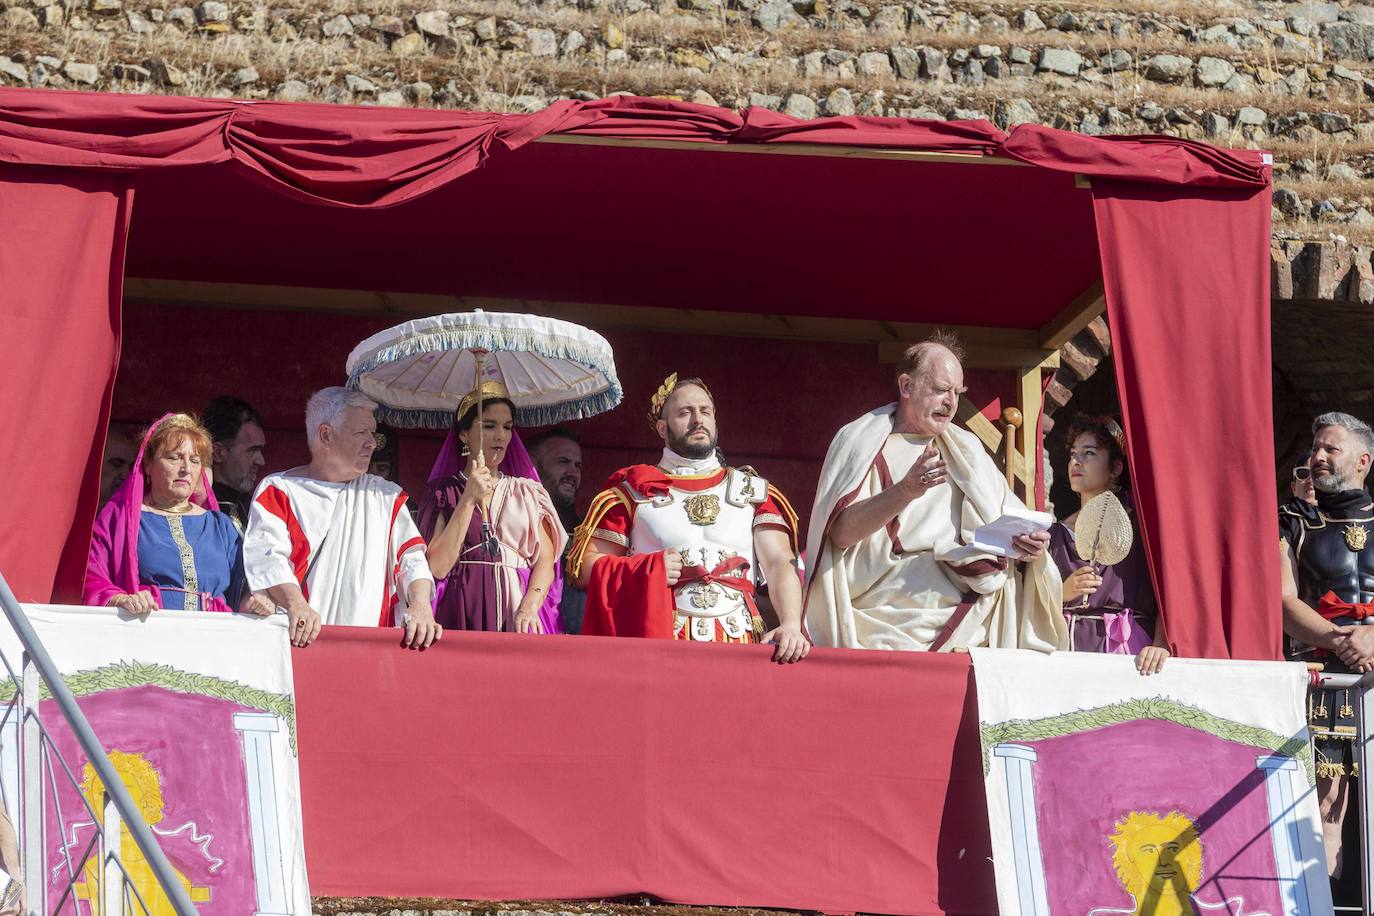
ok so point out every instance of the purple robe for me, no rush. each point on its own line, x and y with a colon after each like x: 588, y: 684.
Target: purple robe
x: 1125, y: 586
x: 469, y: 597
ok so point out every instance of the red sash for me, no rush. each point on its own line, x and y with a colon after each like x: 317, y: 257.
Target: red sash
x: 1332, y: 607
x: 723, y: 575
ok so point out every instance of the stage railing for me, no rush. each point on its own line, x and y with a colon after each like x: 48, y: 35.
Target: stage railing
x: 93, y: 869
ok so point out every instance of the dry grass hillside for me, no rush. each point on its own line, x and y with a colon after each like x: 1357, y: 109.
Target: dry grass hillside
x: 1294, y: 78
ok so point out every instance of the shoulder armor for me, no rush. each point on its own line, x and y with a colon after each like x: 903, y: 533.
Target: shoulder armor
x: 639, y: 499
x: 744, y: 488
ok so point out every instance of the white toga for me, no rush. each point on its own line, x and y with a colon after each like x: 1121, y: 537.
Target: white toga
x: 900, y: 587
x: 351, y: 547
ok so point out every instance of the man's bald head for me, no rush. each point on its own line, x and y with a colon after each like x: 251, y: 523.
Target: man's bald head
x: 918, y: 358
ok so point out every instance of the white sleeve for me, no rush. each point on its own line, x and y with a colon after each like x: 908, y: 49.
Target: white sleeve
x: 409, y: 548
x: 267, y: 540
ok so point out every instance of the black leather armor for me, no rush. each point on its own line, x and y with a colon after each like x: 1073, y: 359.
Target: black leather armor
x: 1335, y: 553
x: 1334, y: 549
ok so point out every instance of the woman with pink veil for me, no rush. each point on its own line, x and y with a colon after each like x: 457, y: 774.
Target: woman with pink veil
x: 161, y: 541
x: 493, y: 532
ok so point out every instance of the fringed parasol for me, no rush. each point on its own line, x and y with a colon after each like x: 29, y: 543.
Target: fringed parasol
x: 418, y: 371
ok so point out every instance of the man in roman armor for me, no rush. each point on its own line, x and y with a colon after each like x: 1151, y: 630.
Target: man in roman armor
x: 1328, y: 593
x: 676, y: 550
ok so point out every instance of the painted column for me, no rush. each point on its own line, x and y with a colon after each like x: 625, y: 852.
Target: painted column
x: 111, y: 872
x: 269, y: 872
x: 1018, y: 763
x: 1298, y: 848
x: 32, y: 825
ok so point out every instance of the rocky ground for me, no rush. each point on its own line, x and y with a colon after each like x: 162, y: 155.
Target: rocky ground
x: 1294, y: 78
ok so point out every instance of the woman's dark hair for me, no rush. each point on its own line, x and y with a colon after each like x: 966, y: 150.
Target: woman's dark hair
x: 1107, y: 431
x: 464, y: 423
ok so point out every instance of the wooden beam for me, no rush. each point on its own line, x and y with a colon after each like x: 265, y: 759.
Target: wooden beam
x: 820, y: 150
x: 989, y: 347
x: 1080, y: 313
x: 989, y: 434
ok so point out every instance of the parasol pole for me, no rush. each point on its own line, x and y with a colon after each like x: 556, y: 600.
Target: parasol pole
x: 480, y: 355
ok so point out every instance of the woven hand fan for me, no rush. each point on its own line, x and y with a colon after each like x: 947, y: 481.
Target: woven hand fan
x: 1103, y: 531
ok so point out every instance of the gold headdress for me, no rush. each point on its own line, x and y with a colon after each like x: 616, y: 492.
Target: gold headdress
x: 490, y: 390
x: 660, y: 398
x: 665, y: 391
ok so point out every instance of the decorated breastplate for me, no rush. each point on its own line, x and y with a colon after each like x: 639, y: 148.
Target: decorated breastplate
x: 1336, y: 555
x: 714, y: 530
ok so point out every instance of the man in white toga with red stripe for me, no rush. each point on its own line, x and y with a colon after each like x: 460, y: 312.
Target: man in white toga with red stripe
x: 330, y: 543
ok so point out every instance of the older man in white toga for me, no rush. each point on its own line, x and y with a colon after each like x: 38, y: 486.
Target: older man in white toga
x: 902, y: 491
x: 334, y: 544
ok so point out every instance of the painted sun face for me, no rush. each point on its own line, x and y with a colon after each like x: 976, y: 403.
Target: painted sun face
x: 1155, y: 854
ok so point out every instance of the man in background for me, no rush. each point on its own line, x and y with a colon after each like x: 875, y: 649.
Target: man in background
x: 557, y: 454
x: 1302, y: 486
x: 238, y: 441
x: 121, y: 445
x: 384, y: 458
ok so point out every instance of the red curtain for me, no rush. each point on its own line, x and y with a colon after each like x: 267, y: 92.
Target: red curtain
x: 62, y: 266
x: 587, y: 767
x: 1187, y: 284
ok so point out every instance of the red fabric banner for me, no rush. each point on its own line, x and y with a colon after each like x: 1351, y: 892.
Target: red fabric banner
x: 62, y: 266
x: 1190, y: 332
x: 495, y: 766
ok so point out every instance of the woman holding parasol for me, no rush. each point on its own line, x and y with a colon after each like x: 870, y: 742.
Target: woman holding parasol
x: 1108, y: 598
x: 493, y: 534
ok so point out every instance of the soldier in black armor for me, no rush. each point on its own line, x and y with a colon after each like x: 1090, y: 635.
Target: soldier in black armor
x: 1328, y: 596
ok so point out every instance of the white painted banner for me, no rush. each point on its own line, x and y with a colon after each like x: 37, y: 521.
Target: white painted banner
x: 1189, y: 791
x: 197, y: 713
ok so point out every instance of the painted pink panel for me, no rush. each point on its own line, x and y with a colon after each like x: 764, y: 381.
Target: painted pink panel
x: 191, y: 741
x: 1085, y: 782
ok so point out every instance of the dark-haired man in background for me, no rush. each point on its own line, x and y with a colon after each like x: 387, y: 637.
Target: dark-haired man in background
x: 236, y: 431
x: 557, y: 454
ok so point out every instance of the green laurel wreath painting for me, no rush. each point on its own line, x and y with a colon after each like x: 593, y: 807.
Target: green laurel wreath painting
x: 1158, y: 708
x: 143, y: 674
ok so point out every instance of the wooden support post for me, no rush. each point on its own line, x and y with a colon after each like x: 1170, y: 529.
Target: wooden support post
x: 1031, y: 400
x: 1011, y: 422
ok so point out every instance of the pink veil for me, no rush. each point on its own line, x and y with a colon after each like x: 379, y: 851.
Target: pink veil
x: 112, y: 566
x: 517, y: 463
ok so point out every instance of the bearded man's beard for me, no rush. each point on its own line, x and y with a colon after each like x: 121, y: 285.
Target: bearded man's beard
x: 693, y: 450
x: 1333, y: 481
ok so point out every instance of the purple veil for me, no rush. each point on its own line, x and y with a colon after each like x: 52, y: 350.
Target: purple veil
x: 112, y: 565
x: 517, y: 463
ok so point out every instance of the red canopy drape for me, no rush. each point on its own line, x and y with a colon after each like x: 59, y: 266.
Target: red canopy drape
x: 1181, y: 228
x: 61, y: 265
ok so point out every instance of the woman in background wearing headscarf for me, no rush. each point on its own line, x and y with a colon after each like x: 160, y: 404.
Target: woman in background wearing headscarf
x: 1114, y: 611
x: 160, y: 542
x: 493, y: 532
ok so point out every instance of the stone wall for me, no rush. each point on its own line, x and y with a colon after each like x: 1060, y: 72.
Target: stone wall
x: 1322, y: 328
x: 1294, y: 77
